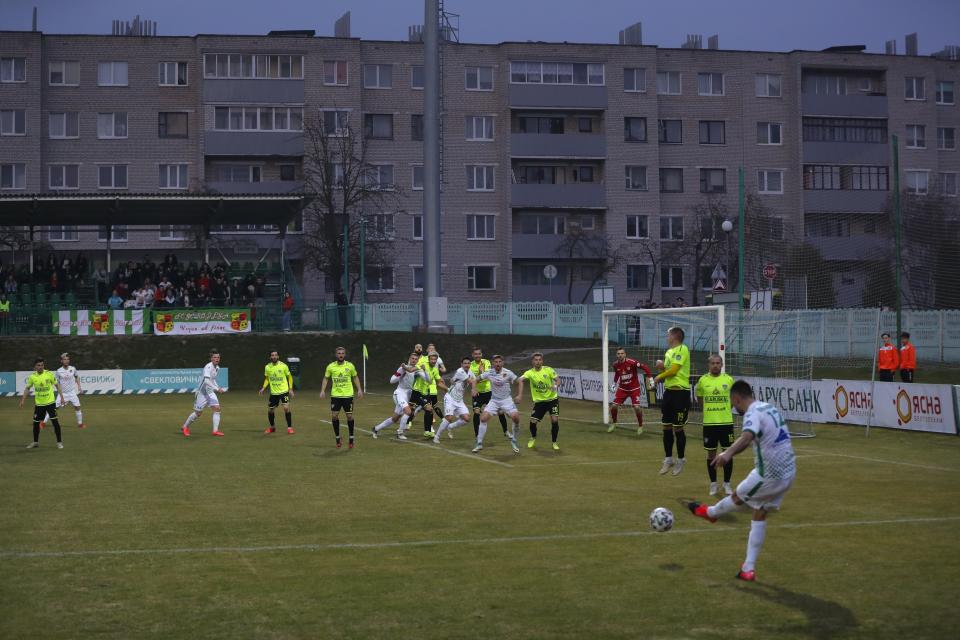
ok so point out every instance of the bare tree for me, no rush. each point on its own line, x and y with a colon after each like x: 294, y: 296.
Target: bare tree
x: 657, y: 253
x: 929, y: 251
x: 583, y: 248
x: 704, y: 243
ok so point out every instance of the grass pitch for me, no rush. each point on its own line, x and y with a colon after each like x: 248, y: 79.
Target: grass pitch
x: 133, y: 531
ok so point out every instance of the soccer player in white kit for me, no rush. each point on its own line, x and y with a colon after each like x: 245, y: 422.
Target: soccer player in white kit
x: 501, y: 399
x: 404, y: 378
x: 774, y: 470
x: 70, y: 388
x: 455, y: 412
x: 206, y: 396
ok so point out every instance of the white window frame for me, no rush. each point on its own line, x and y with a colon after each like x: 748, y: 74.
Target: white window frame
x: 13, y: 122
x: 668, y: 222
x: 637, y: 74
x: 472, y: 279
x: 17, y: 170
x: 341, y: 119
x: 62, y: 64
x: 416, y: 220
x: 173, y: 233
x: 626, y: 273
x: 763, y: 181
x: 770, y: 126
x: 118, y: 233
x: 668, y: 75
x: 379, y: 185
x: 762, y: 85
x: 181, y: 171
x: 672, y: 286
x: 381, y: 267
x: 379, y: 67
x: 258, y: 66
x: 628, y: 176
x: 163, y: 71
x: 942, y: 139
x: 487, y: 187
x: 712, y: 76
x: 65, y: 117
x: 62, y: 169
x: 476, y: 70
x: 113, y: 176
x: 381, y: 226
x: 940, y: 92
x: 638, y: 235
x: 471, y: 128
x: 489, y: 226
x: 257, y: 112
x: 413, y: 85
x: 8, y: 69
x: 65, y: 233
x: 413, y: 176
x: 336, y: 66
x: 911, y: 84
x: 943, y: 184
x: 913, y: 137
x: 113, y: 125
x: 115, y: 65
x: 371, y: 118
x: 907, y: 173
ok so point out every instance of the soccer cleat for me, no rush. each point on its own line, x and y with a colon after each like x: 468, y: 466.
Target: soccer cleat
x: 33, y: 445
x: 59, y: 445
x: 747, y: 576
x: 429, y: 434
x: 400, y: 436
x: 43, y: 424
x: 270, y: 430
x: 556, y: 447
x: 339, y: 443
x: 700, y: 510
x: 531, y: 443
x: 506, y: 434
x: 350, y: 445
x: 612, y: 427
x: 81, y: 426
x: 477, y: 449
x: 678, y: 466
x: 436, y: 439
x: 450, y: 433
x: 219, y: 433
x: 290, y: 431
x: 185, y: 431
x: 713, y: 488
x: 640, y: 430
x: 667, y: 463
x: 374, y: 434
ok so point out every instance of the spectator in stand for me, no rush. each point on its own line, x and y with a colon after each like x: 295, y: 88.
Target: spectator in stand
x: 164, y: 283
x: 149, y: 297
x: 287, y: 306
x: 203, y: 280
x: 202, y: 298
x: 115, y: 301
x: 54, y: 281
x: 217, y: 294
x: 908, y: 358
x: 100, y: 276
x: 82, y: 267
x: 10, y: 286
x: 259, y: 292
x: 4, y: 313
x: 888, y: 359
x: 170, y: 299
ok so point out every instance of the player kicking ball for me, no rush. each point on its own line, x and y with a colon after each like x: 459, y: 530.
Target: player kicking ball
x: 45, y: 387
x: 277, y: 376
x: 455, y: 412
x: 627, y: 386
x: 773, y: 474
x: 343, y: 376
x: 500, y: 379
x: 544, y: 383
x: 404, y: 377
x: 206, y: 396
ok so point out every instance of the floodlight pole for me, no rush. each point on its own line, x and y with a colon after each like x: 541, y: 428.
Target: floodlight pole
x: 434, y: 306
x: 897, y: 224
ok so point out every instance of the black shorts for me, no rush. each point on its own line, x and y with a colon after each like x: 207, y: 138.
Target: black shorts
x: 886, y: 375
x: 344, y: 404
x: 675, y: 407
x: 541, y: 409
x: 278, y: 399
x: 715, y: 435
x: 432, y: 399
x: 906, y: 375
x: 41, y: 410
x: 418, y: 399
x: 482, y: 399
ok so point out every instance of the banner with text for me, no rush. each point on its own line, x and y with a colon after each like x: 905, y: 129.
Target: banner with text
x: 92, y: 381
x: 8, y: 383
x: 83, y: 322
x: 569, y: 383
x: 180, y: 322
x: 140, y: 381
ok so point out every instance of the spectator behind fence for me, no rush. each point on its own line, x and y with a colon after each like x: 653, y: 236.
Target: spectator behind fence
x: 287, y: 306
x: 908, y: 358
x: 115, y: 301
x: 10, y: 286
x: 887, y: 359
x: 4, y: 313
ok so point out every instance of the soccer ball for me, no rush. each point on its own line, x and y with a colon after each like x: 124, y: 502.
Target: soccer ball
x: 661, y: 519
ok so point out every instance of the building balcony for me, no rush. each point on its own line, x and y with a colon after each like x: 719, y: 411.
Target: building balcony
x: 558, y: 196
x: 534, y: 245
x: 859, y: 106
x: 557, y: 292
x: 854, y: 248
x: 250, y: 91
x: 545, y: 145
x: 844, y: 201
x: 557, y: 96
x: 253, y: 143
x: 846, y: 153
x: 273, y: 186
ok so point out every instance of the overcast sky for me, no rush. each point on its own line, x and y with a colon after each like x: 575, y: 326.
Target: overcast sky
x: 772, y: 25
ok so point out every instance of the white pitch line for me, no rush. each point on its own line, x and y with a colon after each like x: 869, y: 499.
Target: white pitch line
x: 451, y: 542
x: 882, y: 461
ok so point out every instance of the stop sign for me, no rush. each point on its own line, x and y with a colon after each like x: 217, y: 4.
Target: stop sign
x: 769, y: 271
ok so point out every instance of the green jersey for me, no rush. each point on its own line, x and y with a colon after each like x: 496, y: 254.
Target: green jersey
x: 541, y: 383
x: 44, y: 385
x: 428, y: 386
x: 677, y: 355
x: 424, y: 362
x: 278, y: 375
x: 715, y: 392
x: 342, y: 376
x: 483, y: 386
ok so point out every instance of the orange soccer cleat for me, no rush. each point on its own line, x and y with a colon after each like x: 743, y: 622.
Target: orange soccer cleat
x: 290, y: 431
x: 747, y: 576
x: 270, y: 430
x: 185, y: 431
x: 700, y: 510
x: 219, y: 433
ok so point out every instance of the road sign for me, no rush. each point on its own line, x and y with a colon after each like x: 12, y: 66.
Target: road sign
x: 719, y: 285
x: 549, y: 272
x: 719, y: 273
x: 769, y: 271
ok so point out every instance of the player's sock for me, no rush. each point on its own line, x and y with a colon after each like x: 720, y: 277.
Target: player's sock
x: 533, y: 429
x: 444, y: 425
x: 350, y: 427
x: 336, y: 427
x: 481, y: 432
x: 476, y: 423
x: 681, y: 442
x: 613, y: 414
x: 427, y: 421
x: 36, y: 431
x: 712, y: 470
x: 271, y: 418
x: 503, y: 422
x: 639, y: 418
x: 667, y: 441
x: 456, y: 423
x: 216, y: 421
x: 289, y: 416
x: 758, y: 532
x: 404, y: 419
x: 727, y: 505
x: 386, y: 423
x: 190, y: 418
x: 728, y: 471
x: 554, y: 430
x: 56, y: 429
x: 79, y: 416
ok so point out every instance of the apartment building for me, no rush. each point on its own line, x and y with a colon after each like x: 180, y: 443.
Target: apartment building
x: 553, y: 154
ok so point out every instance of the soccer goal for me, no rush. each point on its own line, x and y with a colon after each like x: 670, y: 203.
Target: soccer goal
x: 764, y: 347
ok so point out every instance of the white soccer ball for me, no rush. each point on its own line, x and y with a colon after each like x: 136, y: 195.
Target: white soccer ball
x: 661, y: 519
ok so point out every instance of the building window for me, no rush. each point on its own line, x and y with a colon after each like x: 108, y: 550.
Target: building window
x: 713, y: 132
x: 539, y: 124
x: 13, y: 69
x: 334, y: 172
x: 769, y: 133
x: 118, y: 233
x: 479, y: 128
x: 416, y: 127
x: 13, y: 122
x: 64, y: 176
x: 670, y: 131
x: 545, y: 224
x: 671, y: 227
x: 112, y: 176
x: 62, y: 233
x: 916, y: 136
x: 288, y: 172
x: 710, y: 84
x: 112, y: 125
x: 948, y: 183
x: 378, y: 126
x: 258, y: 118
x: 671, y: 277
x: 173, y: 74
x: 918, y: 181
x: 379, y: 177
x: 417, y: 277
x: 378, y: 76
x: 770, y: 180
x: 481, y: 227
x: 172, y: 232
x: 481, y: 278
x: 172, y: 124
x: 583, y: 174
x: 416, y: 226
x: 638, y: 277
x: 335, y: 73
x: 64, y: 73
x: 112, y: 74
x: 173, y: 176
x: 635, y: 129
x: 417, y: 77
x: 478, y: 78
x: 636, y: 177
x: 638, y: 227
x: 588, y: 222
x: 237, y: 173
x: 866, y: 178
x: 873, y: 130
x: 769, y: 85
x: 713, y: 180
x: 634, y: 79
x: 64, y: 125
x: 671, y: 180
x: 585, y: 124
x: 335, y: 123
x: 13, y: 176
x: 668, y: 83
x: 914, y: 89
x: 235, y: 65
x: 946, y: 138
x: 522, y: 72
x: 821, y: 177
x: 945, y: 92
x: 380, y: 226
x: 379, y: 279
x: 480, y: 177
x: 416, y: 180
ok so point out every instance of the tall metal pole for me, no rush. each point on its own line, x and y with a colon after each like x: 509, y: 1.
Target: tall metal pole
x: 363, y: 285
x: 741, y: 234
x: 434, y: 306
x: 897, y: 224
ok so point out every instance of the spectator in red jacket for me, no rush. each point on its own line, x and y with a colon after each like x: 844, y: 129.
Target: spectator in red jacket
x: 888, y: 360
x: 287, y: 311
x: 908, y: 358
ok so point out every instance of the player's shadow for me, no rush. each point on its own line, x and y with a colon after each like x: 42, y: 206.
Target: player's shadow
x: 825, y: 619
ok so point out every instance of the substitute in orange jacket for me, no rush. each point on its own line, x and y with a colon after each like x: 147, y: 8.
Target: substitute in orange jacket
x: 908, y: 358
x: 888, y: 360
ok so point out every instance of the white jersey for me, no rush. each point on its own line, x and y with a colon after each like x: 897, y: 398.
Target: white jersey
x: 772, y: 450
x: 458, y: 383
x: 404, y: 379
x: 208, y: 381
x: 67, y: 377
x: 499, y: 382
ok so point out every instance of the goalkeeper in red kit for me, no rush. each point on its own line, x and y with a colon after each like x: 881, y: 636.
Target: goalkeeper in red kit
x: 627, y: 384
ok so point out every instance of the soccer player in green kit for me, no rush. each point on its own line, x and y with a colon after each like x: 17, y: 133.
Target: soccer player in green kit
x: 43, y: 384
x: 277, y: 376
x: 675, y: 375
x: 543, y: 391
x: 344, y: 377
x: 713, y: 390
